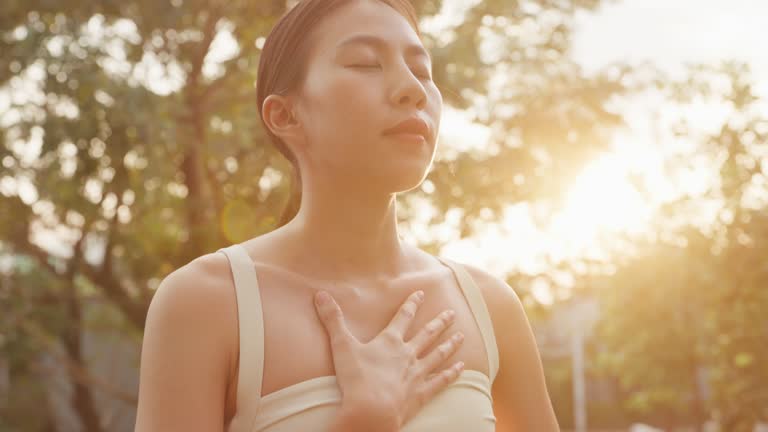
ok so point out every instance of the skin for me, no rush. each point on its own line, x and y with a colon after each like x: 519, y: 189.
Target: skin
x: 344, y: 240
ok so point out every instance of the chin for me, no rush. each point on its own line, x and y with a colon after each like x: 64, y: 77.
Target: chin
x: 408, y: 181
x: 401, y: 176
x: 395, y: 181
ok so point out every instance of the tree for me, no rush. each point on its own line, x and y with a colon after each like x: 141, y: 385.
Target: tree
x: 694, y: 300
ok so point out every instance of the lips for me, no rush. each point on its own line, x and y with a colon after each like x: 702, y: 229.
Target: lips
x: 410, y: 126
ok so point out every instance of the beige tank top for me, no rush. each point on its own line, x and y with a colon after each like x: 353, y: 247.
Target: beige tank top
x: 465, y: 405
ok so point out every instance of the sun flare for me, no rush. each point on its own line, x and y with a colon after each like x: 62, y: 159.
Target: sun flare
x: 602, y: 200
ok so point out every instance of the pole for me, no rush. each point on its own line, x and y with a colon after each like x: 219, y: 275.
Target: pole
x: 579, y: 396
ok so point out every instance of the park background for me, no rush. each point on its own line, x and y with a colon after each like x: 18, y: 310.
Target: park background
x: 609, y: 158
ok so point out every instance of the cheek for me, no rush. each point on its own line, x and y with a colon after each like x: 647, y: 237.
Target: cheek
x: 338, y: 124
x: 352, y: 96
x: 341, y: 109
x: 338, y: 90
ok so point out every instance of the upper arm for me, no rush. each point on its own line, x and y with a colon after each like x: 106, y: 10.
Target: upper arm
x: 520, y: 398
x: 185, y: 351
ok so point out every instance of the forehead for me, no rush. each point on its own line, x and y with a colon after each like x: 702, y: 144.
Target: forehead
x: 363, y: 18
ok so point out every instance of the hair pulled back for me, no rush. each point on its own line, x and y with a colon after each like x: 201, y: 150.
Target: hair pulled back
x: 283, y: 66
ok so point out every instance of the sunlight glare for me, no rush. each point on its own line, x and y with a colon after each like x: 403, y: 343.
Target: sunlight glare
x: 602, y: 200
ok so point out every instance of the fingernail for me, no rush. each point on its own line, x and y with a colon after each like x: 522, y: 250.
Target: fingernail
x: 322, y: 298
x: 420, y: 295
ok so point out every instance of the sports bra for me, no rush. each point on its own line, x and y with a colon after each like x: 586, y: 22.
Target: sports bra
x: 465, y: 405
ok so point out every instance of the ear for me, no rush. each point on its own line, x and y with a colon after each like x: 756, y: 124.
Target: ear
x: 279, y: 116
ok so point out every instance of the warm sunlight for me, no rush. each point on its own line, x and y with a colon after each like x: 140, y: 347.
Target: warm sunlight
x: 602, y: 200
x: 601, y: 203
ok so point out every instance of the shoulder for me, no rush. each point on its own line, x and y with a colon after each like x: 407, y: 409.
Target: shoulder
x: 511, y: 326
x: 189, y: 341
x: 197, y: 298
x: 502, y: 301
x: 204, y: 285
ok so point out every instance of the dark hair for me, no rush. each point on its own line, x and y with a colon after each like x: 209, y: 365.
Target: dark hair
x: 283, y: 64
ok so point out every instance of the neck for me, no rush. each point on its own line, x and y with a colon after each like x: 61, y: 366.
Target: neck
x: 348, y: 233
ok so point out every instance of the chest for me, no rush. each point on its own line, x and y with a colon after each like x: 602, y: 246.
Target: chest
x: 296, y: 346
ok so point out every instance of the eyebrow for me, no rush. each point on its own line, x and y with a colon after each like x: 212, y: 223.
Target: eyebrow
x: 377, y: 42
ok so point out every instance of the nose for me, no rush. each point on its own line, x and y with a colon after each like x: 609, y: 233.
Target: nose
x: 408, y: 90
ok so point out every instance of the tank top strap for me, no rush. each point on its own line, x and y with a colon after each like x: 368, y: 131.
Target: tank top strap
x: 251, y: 332
x: 480, y: 311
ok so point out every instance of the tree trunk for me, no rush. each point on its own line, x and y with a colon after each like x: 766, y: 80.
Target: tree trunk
x: 82, y: 398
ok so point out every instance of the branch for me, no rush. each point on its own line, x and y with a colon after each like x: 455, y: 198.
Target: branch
x: 40, y: 255
x: 209, y: 33
x: 246, y: 50
x: 103, y: 276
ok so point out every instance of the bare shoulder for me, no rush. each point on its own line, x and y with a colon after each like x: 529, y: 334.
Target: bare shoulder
x: 187, y: 348
x: 201, y: 288
x: 502, y: 301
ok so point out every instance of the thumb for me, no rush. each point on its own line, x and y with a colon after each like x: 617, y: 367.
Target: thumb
x: 332, y: 318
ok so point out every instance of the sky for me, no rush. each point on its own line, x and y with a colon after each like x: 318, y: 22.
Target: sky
x: 670, y: 32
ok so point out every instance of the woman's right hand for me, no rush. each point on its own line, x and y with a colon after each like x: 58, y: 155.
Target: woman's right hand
x: 388, y: 375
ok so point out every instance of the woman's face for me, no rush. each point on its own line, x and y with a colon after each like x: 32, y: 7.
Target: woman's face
x: 367, y: 72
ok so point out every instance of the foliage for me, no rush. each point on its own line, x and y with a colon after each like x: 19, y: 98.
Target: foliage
x: 691, y: 311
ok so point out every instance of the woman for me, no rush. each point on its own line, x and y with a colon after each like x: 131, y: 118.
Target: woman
x: 345, y: 92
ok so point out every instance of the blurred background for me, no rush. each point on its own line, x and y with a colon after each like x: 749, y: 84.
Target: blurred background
x: 609, y: 158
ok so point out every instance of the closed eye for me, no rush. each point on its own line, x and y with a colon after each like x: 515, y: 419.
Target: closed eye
x: 419, y: 74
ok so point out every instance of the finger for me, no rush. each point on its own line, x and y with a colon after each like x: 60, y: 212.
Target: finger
x: 430, y: 332
x: 438, y: 355
x: 404, y: 316
x: 332, y: 318
x: 435, y: 383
